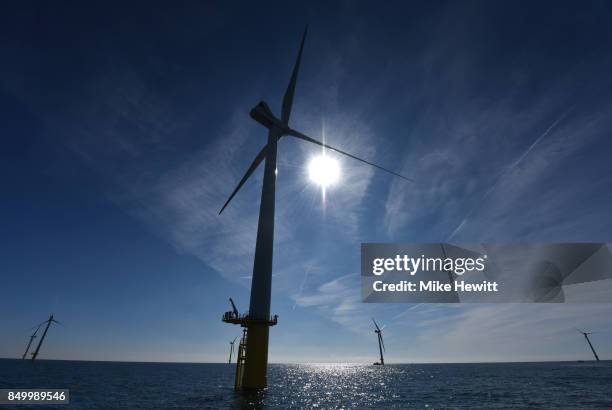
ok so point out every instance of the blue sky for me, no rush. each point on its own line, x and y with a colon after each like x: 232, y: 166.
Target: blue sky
x: 125, y: 128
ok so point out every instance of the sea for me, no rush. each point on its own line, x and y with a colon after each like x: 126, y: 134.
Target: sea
x: 123, y: 385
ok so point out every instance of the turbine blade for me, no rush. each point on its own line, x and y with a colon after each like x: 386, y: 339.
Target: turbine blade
x: 375, y: 324
x: 299, y: 135
x: 288, y: 98
x: 233, y: 341
x: 253, y: 167
x: 38, y: 326
x: 382, y: 342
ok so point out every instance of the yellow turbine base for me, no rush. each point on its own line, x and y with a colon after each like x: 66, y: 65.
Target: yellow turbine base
x: 256, y: 365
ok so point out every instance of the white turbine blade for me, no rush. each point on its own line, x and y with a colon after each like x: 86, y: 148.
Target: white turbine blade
x: 253, y: 167
x: 299, y: 135
x: 288, y: 98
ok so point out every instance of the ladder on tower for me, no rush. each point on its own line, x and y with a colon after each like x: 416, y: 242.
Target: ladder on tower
x: 240, y: 360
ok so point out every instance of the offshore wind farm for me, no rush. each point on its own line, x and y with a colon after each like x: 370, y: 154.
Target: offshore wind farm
x: 226, y: 204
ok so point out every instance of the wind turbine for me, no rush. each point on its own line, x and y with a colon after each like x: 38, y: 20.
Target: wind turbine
x: 586, y: 336
x: 232, y: 349
x: 32, y: 337
x: 48, y: 322
x: 258, y: 319
x: 381, y: 344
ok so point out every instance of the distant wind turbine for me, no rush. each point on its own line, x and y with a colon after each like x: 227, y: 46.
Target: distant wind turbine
x: 232, y: 349
x: 586, y: 336
x: 32, y: 337
x: 381, y: 344
x: 42, y: 339
x: 258, y: 319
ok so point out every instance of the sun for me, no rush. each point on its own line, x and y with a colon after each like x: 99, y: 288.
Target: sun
x: 324, y: 171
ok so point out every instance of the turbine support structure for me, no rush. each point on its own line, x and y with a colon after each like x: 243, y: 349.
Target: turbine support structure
x: 586, y: 336
x: 255, y: 372
x: 251, y: 364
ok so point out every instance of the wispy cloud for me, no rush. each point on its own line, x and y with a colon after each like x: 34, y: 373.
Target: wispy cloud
x: 517, y: 332
x: 510, y: 169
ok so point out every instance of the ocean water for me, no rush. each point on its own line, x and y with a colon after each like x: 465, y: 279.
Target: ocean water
x: 112, y: 385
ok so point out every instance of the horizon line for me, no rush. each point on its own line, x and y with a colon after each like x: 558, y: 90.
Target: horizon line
x: 316, y: 363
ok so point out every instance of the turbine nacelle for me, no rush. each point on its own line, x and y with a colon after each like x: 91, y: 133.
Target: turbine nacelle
x: 263, y: 115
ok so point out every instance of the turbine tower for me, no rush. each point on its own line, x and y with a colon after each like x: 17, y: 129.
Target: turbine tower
x: 258, y: 319
x: 231, y: 349
x: 32, y: 337
x: 586, y: 336
x: 42, y: 339
x: 381, y: 344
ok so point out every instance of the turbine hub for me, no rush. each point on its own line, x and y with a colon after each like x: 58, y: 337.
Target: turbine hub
x: 263, y: 115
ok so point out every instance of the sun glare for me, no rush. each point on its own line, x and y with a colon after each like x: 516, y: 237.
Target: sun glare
x: 324, y: 170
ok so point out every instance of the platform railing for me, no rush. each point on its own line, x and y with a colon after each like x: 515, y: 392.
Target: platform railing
x: 244, y: 318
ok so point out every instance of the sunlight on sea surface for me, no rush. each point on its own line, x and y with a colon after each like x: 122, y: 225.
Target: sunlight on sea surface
x: 563, y: 385
x: 333, y: 385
